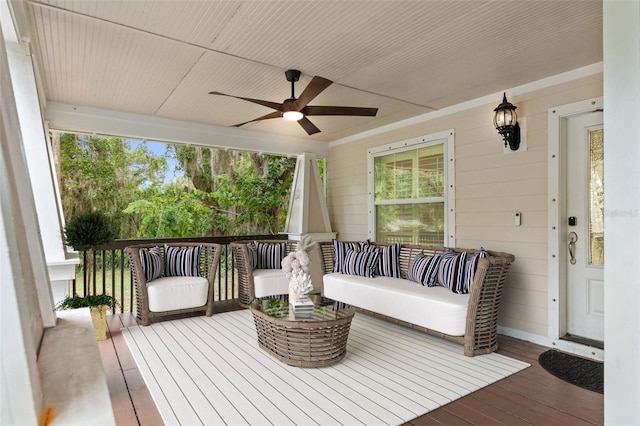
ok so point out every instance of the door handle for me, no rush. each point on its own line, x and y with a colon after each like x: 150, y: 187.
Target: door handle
x: 573, y: 237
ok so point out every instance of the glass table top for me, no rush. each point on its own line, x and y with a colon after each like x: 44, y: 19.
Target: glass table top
x: 282, y: 310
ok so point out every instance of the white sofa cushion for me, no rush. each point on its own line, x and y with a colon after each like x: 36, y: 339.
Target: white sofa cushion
x: 170, y: 293
x: 436, y: 308
x: 267, y: 282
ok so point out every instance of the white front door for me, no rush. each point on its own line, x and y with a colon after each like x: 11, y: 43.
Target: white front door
x: 585, y: 226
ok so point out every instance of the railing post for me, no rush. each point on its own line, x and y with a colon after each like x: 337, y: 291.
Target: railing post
x: 94, y: 272
x: 122, y: 284
x: 85, y: 288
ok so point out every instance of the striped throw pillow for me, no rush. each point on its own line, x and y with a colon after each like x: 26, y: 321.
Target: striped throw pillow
x: 361, y: 263
x: 424, y: 270
x: 451, y: 273
x: 472, y: 266
x: 151, y: 260
x: 270, y: 255
x: 340, y: 249
x: 182, y: 262
x: 337, y: 305
x: 389, y: 261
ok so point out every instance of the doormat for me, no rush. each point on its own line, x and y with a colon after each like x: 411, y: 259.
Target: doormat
x: 573, y: 369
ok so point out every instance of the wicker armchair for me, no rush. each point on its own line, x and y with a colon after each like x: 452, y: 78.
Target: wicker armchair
x: 246, y: 285
x: 174, y: 294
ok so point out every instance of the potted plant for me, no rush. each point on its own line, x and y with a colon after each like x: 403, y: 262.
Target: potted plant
x: 86, y: 232
x: 97, y: 304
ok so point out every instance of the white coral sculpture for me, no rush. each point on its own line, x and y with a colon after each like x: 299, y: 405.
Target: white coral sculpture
x: 296, y: 266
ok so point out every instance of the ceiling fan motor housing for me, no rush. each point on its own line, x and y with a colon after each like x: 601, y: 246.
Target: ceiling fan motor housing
x: 292, y: 75
x: 289, y: 105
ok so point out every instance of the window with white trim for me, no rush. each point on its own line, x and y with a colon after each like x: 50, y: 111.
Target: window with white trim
x: 411, y: 191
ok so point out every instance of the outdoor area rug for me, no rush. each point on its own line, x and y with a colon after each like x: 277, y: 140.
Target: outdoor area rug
x: 576, y: 370
x: 210, y: 370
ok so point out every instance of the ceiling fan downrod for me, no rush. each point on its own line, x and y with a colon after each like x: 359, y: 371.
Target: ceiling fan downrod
x: 292, y: 76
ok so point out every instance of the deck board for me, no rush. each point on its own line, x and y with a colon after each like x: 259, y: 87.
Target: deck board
x: 519, y: 399
x: 123, y: 411
x: 496, y: 415
x: 141, y: 400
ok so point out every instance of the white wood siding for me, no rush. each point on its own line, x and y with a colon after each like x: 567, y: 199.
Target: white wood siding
x: 490, y: 188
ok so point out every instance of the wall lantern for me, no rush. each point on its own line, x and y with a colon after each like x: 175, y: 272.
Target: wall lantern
x: 506, y: 121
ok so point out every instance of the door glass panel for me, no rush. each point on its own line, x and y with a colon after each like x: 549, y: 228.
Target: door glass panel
x: 596, y: 197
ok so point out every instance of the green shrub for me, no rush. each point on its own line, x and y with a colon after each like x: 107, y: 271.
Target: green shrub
x: 87, y: 301
x: 87, y: 231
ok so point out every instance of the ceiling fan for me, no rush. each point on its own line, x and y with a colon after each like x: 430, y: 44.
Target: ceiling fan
x: 297, y: 109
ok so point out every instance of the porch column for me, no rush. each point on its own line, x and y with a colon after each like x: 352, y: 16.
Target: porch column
x: 308, y: 214
x: 21, y: 328
x: 49, y: 220
x: 621, y: 20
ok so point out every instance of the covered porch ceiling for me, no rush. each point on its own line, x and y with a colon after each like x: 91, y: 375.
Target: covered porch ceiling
x: 160, y: 58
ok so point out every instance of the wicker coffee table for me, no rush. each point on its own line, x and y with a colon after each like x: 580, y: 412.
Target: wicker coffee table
x: 317, y: 339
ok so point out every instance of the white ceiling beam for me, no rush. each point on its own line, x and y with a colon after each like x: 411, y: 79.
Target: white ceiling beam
x: 64, y: 117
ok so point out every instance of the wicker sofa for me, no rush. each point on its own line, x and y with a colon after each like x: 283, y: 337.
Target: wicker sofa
x: 179, y: 293
x: 468, y: 319
x: 268, y: 281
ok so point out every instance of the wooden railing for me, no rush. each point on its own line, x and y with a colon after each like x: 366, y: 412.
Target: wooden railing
x: 110, y: 274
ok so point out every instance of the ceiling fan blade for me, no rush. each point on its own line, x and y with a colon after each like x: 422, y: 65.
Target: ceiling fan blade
x: 339, y: 110
x: 275, y: 114
x: 274, y: 105
x: 308, y: 126
x: 317, y: 85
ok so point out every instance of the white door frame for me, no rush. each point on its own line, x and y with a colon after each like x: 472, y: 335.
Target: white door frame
x: 557, y: 280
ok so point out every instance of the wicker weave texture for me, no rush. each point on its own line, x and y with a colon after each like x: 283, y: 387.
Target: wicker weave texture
x: 484, y: 300
x: 303, y: 343
x: 243, y: 266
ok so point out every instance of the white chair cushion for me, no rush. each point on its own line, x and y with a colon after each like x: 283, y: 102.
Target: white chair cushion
x: 436, y: 308
x: 171, y: 293
x: 267, y: 282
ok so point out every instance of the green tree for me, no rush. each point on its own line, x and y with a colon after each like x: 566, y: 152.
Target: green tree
x: 249, y: 192
x: 256, y: 194
x: 104, y: 174
x: 222, y: 192
x: 174, y: 212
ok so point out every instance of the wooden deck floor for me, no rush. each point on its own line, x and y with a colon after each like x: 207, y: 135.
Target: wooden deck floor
x: 532, y: 396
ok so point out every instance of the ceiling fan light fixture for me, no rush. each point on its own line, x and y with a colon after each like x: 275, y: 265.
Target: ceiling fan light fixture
x: 298, y: 109
x: 292, y: 115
